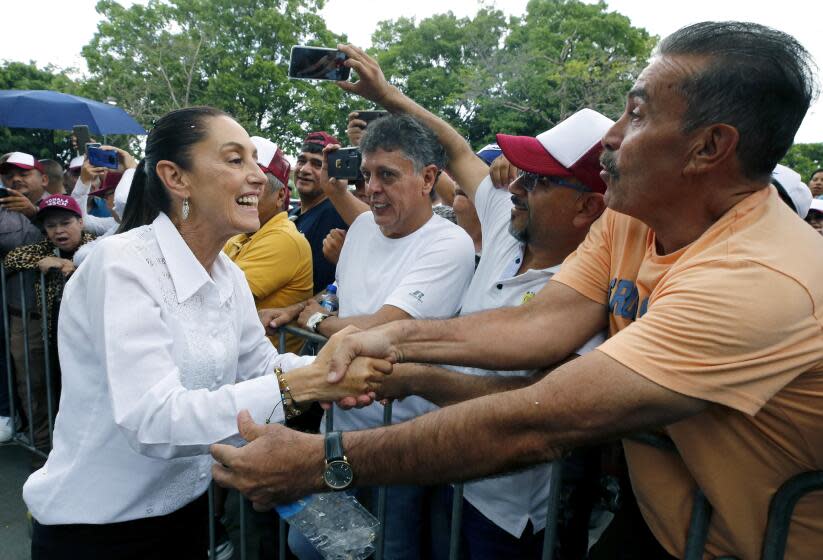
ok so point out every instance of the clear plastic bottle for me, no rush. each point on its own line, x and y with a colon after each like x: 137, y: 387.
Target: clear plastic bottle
x: 334, y: 523
x: 329, y: 299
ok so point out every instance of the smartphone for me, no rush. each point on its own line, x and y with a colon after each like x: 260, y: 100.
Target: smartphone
x: 103, y: 158
x: 318, y: 63
x: 344, y: 163
x: 91, y: 145
x: 81, y: 135
x: 369, y: 116
x: 4, y: 192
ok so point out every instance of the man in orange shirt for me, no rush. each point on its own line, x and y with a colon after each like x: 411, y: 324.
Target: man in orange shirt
x: 708, y: 284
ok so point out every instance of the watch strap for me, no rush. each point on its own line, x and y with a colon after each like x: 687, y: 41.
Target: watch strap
x: 334, y: 446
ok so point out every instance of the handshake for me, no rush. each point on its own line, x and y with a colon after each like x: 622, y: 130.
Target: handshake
x: 364, y: 381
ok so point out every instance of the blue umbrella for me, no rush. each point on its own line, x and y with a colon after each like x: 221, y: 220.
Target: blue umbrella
x: 21, y: 108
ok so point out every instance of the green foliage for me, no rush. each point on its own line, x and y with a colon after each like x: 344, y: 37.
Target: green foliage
x: 231, y: 54
x: 487, y: 75
x: 39, y: 143
x: 805, y: 159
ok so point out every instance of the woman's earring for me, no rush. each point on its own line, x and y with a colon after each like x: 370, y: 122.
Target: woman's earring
x: 186, y: 209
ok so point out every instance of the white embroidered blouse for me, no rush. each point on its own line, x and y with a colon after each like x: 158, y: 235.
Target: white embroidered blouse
x: 158, y: 357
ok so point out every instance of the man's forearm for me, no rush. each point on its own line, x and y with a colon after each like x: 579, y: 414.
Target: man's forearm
x: 445, y: 387
x: 467, y: 169
x: 347, y: 205
x: 511, y: 430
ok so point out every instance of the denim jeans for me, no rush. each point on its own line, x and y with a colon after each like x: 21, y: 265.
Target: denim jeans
x: 404, y: 523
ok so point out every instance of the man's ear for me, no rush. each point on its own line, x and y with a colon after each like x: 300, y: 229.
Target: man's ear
x: 174, y: 178
x: 589, y: 208
x: 430, y: 173
x: 45, y: 178
x: 712, y: 146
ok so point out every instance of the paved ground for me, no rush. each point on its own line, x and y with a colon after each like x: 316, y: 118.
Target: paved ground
x: 14, y: 536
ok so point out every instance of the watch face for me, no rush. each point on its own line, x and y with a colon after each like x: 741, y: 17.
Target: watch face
x: 338, y: 475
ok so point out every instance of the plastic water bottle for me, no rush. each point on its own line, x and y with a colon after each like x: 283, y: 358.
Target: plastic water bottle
x: 329, y: 299
x: 334, y: 523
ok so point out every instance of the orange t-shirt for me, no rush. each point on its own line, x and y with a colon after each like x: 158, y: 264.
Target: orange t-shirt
x: 736, y: 319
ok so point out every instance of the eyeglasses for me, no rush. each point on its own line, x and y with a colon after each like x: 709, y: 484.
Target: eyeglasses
x: 530, y: 180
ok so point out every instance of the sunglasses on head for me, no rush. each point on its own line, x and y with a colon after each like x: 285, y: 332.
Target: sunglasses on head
x: 530, y: 180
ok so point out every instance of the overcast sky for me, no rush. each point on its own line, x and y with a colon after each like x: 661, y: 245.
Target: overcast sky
x: 67, y: 25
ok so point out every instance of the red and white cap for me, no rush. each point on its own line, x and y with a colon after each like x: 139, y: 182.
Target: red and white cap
x: 270, y: 158
x: 571, y: 149
x: 23, y: 161
x: 59, y: 202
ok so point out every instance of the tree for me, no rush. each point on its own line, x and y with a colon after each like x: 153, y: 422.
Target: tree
x: 38, y: 142
x: 522, y: 76
x: 231, y: 54
x: 805, y: 159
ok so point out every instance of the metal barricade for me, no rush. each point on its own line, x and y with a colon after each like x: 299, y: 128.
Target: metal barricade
x: 26, y: 316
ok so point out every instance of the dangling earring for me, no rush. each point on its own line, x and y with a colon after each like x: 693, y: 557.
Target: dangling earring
x: 186, y: 209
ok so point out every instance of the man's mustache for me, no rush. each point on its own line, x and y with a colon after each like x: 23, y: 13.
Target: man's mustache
x: 609, y: 163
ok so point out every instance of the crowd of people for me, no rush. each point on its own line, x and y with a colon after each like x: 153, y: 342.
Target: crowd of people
x: 522, y: 305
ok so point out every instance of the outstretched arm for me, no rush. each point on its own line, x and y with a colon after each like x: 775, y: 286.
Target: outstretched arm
x: 466, y: 168
x: 590, y: 399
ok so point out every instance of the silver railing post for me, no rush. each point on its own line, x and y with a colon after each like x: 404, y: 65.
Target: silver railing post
x: 555, y: 483
x: 24, y: 316
x: 44, y: 325
x: 7, y: 343
x: 456, y: 522
x: 381, y: 498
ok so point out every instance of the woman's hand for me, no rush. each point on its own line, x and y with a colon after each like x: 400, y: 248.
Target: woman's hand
x: 55, y: 263
x: 355, y: 128
x: 88, y: 172
x: 502, y: 172
x: 363, y: 378
x: 127, y: 160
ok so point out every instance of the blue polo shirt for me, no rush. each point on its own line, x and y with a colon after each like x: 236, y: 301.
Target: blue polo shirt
x: 315, y: 225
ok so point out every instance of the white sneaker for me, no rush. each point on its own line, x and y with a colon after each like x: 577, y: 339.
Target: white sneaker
x: 6, y: 430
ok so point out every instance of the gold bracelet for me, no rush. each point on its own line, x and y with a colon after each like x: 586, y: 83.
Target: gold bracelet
x: 290, y: 409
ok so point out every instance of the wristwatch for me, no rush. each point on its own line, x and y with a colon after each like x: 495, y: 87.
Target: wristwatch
x: 338, y: 474
x: 315, y: 320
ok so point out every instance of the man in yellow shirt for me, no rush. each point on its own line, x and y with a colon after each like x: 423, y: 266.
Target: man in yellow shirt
x: 276, y: 259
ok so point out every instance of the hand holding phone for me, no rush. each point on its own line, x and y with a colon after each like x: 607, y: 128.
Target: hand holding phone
x: 318, y: 63
x: 99, y: 157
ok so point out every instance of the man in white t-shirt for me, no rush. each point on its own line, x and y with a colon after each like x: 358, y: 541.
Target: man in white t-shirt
x: 399, y: 261
x: 527, y: 232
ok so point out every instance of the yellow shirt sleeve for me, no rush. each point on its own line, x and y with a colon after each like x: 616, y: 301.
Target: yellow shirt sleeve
x: 733, y: 332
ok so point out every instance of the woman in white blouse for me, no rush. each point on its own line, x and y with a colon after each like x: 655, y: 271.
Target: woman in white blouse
x: 160, y: 348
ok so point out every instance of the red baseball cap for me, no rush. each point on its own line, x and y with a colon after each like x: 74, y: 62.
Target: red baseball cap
x: 109, y: 183
x: 23, y: 161
x: 321, y: 138
x: 270, y: 158
x: 570, y: 149
x: 58, y: 202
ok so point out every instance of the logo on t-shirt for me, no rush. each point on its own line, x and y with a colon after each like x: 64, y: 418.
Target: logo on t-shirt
x: 418, y: 295
x: 527, y: 297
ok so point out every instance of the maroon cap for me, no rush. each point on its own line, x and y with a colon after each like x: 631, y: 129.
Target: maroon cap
x: 109, y: 183
x: 22, y: 161
x: 59, y: 202
x: 270, y: 158
x: 570, y: 149
x: 321, y: 138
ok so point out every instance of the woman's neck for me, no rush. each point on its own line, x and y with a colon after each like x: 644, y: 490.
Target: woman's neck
x: 203, y: 242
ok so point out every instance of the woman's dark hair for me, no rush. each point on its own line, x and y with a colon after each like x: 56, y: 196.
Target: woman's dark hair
x: 815, y: 172
x: 171, y: 139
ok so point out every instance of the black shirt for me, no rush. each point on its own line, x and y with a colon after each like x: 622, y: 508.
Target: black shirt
x: 315, y: 225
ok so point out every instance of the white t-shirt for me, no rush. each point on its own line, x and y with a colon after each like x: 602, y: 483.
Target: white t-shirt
x: 511, y: 500
x: 424, y: 273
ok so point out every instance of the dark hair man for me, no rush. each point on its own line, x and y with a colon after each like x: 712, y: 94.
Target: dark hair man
x: 316, y: 216
x: 694, y: 240
x: 55, y: 172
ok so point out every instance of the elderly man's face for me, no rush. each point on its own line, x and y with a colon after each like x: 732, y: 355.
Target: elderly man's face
x: 646, y: 150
